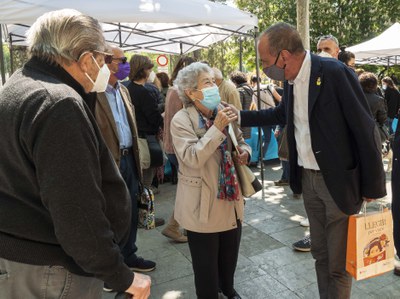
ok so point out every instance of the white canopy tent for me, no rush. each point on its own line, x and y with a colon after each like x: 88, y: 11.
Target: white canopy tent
x: 381, y: 50
x: 160, y: 26
x: 167, y: 26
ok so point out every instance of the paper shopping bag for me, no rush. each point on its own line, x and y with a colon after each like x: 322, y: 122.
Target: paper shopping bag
x: 370, y: 248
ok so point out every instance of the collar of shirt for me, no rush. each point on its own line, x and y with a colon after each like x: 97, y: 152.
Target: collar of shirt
x: 112, y: 89
x: 304, y: 73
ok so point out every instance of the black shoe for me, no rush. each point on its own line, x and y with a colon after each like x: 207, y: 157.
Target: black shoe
x: 281, y: 183
x: 303, y: 245
x: 142, y: 265
x: 106, y: 288
x: 235, y: 296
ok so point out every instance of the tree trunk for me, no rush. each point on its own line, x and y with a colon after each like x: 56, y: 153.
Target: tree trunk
x: 303, y: 21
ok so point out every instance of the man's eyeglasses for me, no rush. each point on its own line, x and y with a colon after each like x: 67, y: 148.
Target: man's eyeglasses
x: 328, y: 36
x: 108, y: 58
x: 121, y: 59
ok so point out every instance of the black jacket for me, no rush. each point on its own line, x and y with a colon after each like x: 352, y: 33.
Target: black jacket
x: 62, y: 199
x: 392, y: 97
x: 344, y: 137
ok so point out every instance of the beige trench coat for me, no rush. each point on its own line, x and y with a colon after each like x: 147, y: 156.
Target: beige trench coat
x: 197, y: 207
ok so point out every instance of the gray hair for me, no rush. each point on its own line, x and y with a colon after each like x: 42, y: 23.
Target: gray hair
x: 328, y: 37
x: 187, y: 79
x: 283, y: 36
x: 64, y: 35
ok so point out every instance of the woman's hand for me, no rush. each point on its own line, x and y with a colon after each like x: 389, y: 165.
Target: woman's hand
x: 242, y: 157
x: 224, y: 118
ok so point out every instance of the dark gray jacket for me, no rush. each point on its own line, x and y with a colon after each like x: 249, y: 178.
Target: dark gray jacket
x: 62, y: 199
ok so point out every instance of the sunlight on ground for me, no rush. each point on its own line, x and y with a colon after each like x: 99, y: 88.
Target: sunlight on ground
x: 173, y: 295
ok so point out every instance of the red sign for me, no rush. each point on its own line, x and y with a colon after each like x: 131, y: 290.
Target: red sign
x: 162, y: 60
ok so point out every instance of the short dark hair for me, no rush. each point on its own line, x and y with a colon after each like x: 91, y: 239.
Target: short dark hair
x: 283, y: 36
x: 238, y: 77
x: 182, y: 62
x: 164, y: 79
x: 255, y: 79
x: 369, y: 82
x: 139, y: 64
x: 345, y: 56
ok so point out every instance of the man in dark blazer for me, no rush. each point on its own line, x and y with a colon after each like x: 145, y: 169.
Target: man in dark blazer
x: 396, y: 197
x: 115, y: 116
x: 334, y: 146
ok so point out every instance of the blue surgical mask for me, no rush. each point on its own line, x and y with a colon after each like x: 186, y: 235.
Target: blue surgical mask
x: 211, y: 97
x: 274, y: 72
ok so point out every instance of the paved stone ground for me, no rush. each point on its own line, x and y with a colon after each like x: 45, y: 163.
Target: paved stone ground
x: 267, y: 267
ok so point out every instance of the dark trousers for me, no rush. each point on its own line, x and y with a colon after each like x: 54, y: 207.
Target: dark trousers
x: 328, y: 229
x: 129, y: 174
x: 396, y: 192
x: 285, y: 170
x: 214, y: 258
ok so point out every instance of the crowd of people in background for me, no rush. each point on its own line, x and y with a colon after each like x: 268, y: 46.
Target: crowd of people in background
x: 75, y: 117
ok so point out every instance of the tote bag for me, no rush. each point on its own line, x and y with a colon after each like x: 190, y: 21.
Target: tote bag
x: 370, y: 248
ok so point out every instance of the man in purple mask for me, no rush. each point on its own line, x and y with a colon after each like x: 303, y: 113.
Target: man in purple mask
x: 115, y: 116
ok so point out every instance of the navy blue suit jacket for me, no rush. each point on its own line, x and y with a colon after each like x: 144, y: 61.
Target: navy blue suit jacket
x: 344, y: 137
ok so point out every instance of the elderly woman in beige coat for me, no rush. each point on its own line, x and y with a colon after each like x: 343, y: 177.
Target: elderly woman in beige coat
x: 209, y: 204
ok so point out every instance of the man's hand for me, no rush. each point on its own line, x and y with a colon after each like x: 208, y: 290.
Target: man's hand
x: 224, y: 118
x: 140, y: 287
x: 234, y: 110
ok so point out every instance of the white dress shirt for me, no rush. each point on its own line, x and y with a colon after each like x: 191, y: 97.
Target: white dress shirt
x: 302, y: 135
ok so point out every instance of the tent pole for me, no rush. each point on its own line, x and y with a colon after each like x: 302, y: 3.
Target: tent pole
x: 11, y: 55
x: 119, y: 35
x: 3, y: 70
x: 261, y: 158
x: 240, y: 54
x: 181, y: 48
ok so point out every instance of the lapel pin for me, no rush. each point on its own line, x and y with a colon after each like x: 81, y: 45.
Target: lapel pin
x: 318, y: 81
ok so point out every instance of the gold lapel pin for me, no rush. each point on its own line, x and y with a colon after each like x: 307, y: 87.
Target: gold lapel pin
x: 318, y: 81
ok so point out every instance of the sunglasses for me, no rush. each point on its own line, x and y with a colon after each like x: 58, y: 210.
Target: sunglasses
x: 122, y: 59
x: 108, y: 58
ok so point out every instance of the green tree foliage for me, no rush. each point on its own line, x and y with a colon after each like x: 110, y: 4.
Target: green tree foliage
x: 351, y: 21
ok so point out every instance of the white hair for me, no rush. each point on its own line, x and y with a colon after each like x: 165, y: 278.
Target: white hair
x: 63, y: 35
x: 217, y: 73
x: 187, y: 79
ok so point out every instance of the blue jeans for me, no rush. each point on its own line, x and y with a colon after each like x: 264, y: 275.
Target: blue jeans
x: 18, y: 280
x: 267, y: 130
x: 129, y: 174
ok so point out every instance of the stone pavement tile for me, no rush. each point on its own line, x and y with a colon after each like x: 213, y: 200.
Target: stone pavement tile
x: 280, y: 257
x: 275, y: 224
x: 255, y: 242
x: 261, y: 287
x: 182, y: 288
x: 391, y: 291
x: 309, y: 292
x: 247, y: 270
x: 170, y: 268
x: 290, y: 235
x: 294, y: 276
x: 375, y: 283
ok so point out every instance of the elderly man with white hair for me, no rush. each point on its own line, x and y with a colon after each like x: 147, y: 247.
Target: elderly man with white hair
x: 227, y: 90
x: 64, y: 208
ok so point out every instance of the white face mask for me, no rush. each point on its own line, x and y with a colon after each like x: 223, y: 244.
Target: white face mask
x: 101, y: 82
x: 384, y: 86
x: 324, y: 54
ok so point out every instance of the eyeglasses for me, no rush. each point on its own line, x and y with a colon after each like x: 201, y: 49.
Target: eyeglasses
x: 122, y: 59
x: 108, y: 58
x: 328, y: 36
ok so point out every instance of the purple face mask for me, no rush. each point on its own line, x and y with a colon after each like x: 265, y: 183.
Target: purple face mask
x: 123, y: 70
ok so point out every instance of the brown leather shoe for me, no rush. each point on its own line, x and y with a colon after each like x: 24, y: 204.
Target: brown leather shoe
x: 174, y: 234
